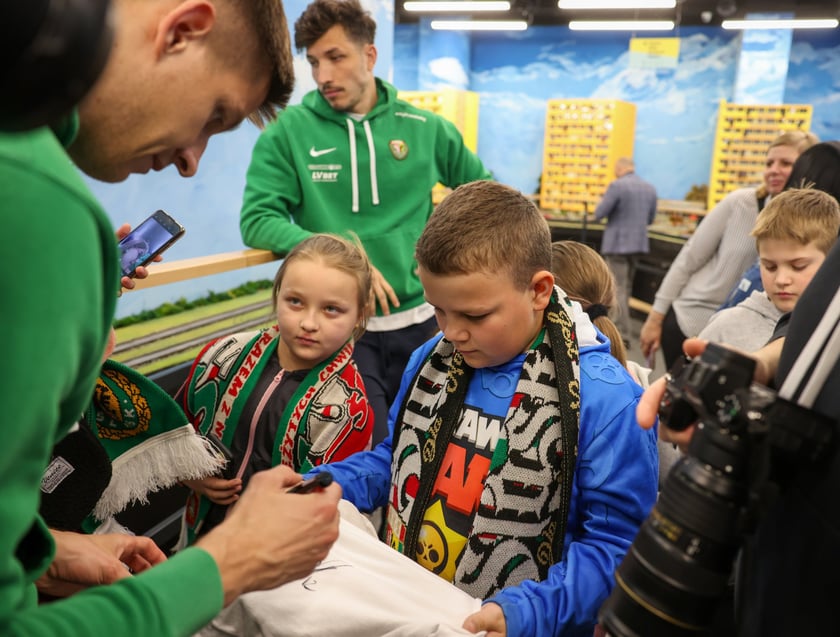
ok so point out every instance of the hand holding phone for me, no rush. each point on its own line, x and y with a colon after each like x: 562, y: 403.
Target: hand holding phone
x: 154, y: 235
x: 316, y: 482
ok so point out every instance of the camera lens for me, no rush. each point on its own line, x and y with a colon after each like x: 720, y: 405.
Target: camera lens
x: 679, y: 565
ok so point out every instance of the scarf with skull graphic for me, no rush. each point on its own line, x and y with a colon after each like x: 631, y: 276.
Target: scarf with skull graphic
x: 519, y: 527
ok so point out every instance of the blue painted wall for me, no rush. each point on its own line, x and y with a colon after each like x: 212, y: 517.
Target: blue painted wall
x: 514, y: 74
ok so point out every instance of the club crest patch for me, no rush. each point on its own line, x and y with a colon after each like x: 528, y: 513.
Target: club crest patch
x: 399, y: 149
x: 123, y: 409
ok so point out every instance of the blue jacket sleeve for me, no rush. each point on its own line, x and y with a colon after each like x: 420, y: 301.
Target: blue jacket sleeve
x: 365, y: 477
x: 613, y: 492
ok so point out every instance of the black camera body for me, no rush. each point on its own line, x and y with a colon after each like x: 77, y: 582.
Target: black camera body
x: 747, y: 444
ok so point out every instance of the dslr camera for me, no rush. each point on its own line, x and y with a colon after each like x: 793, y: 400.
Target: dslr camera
x: 747, y: 444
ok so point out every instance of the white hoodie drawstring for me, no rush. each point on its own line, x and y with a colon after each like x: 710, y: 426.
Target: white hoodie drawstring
x: 374, y: 187
x: 354, y: 168
x: 354, y: 165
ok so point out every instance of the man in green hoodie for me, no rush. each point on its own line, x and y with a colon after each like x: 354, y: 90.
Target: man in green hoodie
x: 354, y: 158
x: 179, y: 72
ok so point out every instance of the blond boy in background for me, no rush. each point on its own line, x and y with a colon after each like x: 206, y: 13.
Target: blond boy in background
x: 793, y: 234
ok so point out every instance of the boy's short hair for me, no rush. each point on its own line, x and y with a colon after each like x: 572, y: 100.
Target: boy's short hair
x: 804, y: 215
x: 322, y: 15
x: 485, y: 226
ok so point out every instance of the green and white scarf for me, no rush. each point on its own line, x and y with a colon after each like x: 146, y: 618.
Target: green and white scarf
x: 147, y: 437
x: 519, y: 527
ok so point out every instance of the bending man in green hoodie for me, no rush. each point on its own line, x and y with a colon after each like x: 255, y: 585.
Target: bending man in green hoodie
x: 58, y: 304
x: 353, y: 157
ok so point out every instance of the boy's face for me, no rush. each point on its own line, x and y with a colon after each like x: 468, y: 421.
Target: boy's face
x: 485, y: 316
x: 787, y: 267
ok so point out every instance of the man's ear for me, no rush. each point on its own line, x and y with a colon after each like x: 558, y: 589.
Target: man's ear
x: 188, y: 21
x: 370, y: 54
x: 542, y: 285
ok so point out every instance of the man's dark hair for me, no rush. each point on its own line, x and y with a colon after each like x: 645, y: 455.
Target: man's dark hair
x: 322, y: 15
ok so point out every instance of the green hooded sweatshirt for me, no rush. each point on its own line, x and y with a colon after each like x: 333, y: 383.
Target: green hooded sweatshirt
x: 319, y: 170
x: 59, y: 289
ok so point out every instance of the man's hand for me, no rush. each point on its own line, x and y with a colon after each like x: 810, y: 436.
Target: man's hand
x: 767, y: 361
x: 218, y: 490
x: 140, y: 272
x: 82, y: 561
x: 490, y: 618
x: 648, y: 407
x: 647, y: 410
x: 382, y: 293
x: 288, y: 533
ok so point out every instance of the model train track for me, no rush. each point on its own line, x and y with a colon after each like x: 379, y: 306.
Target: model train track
x: 183, y: 346
x: 141, y: 341
x: 173, y: 345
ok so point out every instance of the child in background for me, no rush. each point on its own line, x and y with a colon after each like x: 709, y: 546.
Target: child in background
x: 290, y: 394
x: 792, y: 234
x: 513, y: 468
x: 586, y: 278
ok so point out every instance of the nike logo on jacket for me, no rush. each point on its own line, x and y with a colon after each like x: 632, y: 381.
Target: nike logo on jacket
x: 318, y: 153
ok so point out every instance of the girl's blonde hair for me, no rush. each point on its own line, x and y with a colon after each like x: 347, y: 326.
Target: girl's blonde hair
x: 345, y: 256
x: 586, y: 278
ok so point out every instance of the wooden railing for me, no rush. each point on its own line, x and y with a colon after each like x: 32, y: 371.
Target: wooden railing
x: 186, y: 269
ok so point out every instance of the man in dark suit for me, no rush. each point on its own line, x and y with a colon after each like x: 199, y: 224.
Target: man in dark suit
x: 629, y: 206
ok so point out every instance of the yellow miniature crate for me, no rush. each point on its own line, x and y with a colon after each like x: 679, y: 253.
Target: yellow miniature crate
x: 744, y: 131
x: 583, y: 140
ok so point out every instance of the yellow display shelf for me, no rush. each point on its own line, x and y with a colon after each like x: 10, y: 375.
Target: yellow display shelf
x: 743, y: 134
x: 459, y: 107
x: 583, y: 140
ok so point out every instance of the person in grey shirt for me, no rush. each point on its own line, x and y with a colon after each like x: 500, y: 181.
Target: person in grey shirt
x: 629, y: 206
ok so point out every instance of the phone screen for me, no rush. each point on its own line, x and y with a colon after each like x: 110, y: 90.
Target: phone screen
x: 147, y: 240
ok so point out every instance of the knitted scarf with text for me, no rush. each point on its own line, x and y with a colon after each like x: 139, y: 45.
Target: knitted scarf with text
x: 519, y: 527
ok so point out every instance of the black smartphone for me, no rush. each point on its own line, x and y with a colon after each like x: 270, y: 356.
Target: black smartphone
x: 318, y: 481
x: 146, y: 241
x: 223, y: 453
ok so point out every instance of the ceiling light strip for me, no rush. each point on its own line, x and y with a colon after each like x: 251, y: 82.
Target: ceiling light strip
x: 616, y: 4
x: 621, y: 25
x: 467, y: 6
x: 479, y: 25
x: 795, y: 23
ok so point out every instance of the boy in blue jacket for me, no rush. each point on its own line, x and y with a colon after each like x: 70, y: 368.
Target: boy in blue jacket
x: 513, y: 467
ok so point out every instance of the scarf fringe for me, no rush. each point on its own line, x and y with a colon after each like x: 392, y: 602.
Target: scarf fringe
x: 158, y: 463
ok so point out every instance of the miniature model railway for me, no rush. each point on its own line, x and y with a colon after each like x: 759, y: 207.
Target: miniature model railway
x: 181, y: 342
